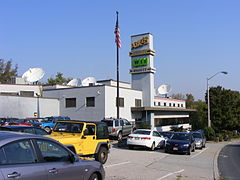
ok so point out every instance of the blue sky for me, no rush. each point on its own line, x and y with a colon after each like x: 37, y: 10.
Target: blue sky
x: 193, y: 39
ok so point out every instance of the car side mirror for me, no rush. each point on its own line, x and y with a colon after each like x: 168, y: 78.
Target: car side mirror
x: 73, y: 158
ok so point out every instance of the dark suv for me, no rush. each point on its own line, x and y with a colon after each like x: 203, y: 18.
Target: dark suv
x: 118, y: 128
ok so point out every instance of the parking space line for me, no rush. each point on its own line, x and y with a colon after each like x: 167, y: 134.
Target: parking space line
x: 111, y: 165
x: 171, y: 174
x: 199, y: 153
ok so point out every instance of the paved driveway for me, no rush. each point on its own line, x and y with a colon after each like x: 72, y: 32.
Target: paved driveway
x: 141, y: 164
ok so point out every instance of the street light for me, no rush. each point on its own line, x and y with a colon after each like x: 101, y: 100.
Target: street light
x: 209, y: 120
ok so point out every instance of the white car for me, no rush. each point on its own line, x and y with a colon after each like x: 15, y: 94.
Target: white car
x: 145, y: 138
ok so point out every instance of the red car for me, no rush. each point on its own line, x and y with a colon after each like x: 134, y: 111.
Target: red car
x: 24, y: 122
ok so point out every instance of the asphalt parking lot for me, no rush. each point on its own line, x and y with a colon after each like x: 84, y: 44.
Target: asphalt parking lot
x: 141, y: 164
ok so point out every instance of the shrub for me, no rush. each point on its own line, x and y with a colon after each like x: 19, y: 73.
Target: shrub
x: 210, y: 133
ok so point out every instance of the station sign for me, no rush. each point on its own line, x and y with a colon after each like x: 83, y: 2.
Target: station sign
x: 140, y: 62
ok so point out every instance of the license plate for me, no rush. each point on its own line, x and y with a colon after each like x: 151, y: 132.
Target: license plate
x: 137, y: 138
x: 175, y: 148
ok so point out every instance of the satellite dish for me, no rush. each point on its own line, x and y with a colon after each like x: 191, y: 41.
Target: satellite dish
x: 74, y: 82
x: 164, y: 89
x: 33, y: 75
x: 89, y: 81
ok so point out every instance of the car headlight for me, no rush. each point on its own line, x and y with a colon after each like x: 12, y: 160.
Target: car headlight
x: 185, y: 145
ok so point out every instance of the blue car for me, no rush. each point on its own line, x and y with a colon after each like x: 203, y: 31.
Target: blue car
x: 49, y: 122
x: 181, y: 142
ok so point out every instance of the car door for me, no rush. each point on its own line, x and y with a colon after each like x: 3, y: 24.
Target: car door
x: 19, y: 161
x: 127, y: 127
x: 89, y: 142
x: 57, y: 163
x: 158, y: 138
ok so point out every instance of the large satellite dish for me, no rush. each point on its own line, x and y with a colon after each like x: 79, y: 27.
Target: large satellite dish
x: 33, y: 75
x: 89, y: 81
x: 74, y: 82
x: 164, y: 89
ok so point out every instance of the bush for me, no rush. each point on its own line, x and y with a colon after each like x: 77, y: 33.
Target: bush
x: 210, y: 133
x: 143, y: 126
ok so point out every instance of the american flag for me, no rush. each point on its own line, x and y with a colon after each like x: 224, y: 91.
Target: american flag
x: 117, y: 33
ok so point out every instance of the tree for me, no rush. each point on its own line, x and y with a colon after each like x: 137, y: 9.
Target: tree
x: 224, y: 109
x: 6, y: 71
x: 190, y: 104
x: 178, y: 96
x: 58, y: 80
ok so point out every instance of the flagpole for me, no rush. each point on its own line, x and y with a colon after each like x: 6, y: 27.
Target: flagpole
x: 117, y: 74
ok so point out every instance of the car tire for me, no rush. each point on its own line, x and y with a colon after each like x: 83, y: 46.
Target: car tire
x: 102, y: 155
x: 153, y: 146
x: 130, y: 147
x: 48, y: 129
x: 119, y: 136
x: 94, y: 176
x: 166, y: 151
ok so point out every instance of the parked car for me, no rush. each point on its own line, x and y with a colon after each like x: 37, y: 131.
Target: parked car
x: 200, y: 139
x: 25, y: 129
x: 145, y: 138
x: 182, y: 142
x: 27, y: 156
x: 86, y: 138
x: 24, y: 122
x: 49, y: 122
x: 6, y: 121
x: 118, y: 128
x: 166, y: 134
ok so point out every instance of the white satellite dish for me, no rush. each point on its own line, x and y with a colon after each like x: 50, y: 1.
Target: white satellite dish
x: 89, y: 81
x: 33, y: 75
x: 164, y: 89
x: 74, y: 82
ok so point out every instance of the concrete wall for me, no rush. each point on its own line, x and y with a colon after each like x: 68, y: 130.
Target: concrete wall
x: 22, y: 107
x: 129, y: 96
x: 80, y: 112
x: 105, y: 102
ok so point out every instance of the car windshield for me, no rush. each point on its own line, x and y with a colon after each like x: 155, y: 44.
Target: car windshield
x: 197, y: 135
x: 68, y: 127
x: 109, y: 123
x: 166, y: 134
x: 142, y: 132
x: 180, y: 136
x: 20, y: 121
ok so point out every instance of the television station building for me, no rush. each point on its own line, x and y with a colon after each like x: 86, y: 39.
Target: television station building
x: 97, y: 100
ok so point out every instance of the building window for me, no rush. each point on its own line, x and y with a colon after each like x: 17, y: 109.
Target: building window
x: 159, y: 103
x: 90, y: 101
x: 173, y: 104
x: 27, y: 93
x: 121, y: 102
x: 170, y: 104
x: 70, y: 102
x: 181, y: 105
x: 165, y: 104
x: 154, y: 103
x: 178, y: 105
x: 138, y: 102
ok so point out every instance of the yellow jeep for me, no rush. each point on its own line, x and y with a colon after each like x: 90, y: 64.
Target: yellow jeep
x: 85, y: 138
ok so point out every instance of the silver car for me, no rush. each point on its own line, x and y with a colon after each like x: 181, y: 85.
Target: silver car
x: 28, y: 157
x: 118, y: 128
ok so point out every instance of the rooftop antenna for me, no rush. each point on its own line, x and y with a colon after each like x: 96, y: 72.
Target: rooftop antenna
x: 74, y: 82
x: 164, y: 89
x: 33, y: 75
x: 89, y: 81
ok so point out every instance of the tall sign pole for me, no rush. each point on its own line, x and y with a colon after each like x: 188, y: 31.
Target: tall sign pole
x: 118, y: 45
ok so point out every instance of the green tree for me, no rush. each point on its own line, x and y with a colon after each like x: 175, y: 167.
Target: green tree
x: 178, y: 96
x: 190, y: 104
x: 58, y: 80
x: 199, y: 118
x: 224, y: 109
x: 6, y: 71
